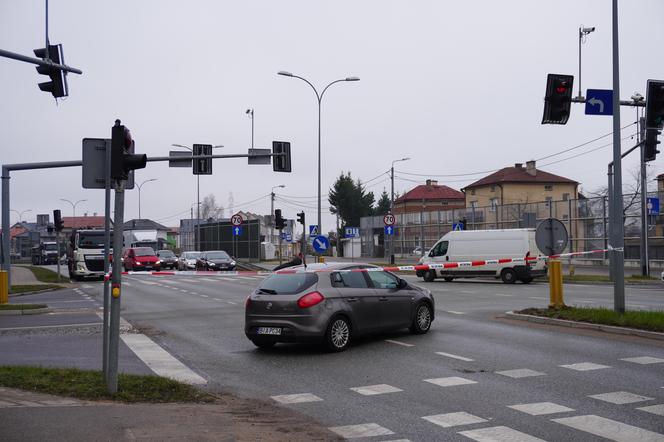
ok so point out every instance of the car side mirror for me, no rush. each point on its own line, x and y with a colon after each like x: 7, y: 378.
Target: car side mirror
x: 402, y: 283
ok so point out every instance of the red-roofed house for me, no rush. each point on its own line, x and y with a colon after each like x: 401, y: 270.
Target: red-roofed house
x: 429, y: 197
x: 83, y: 222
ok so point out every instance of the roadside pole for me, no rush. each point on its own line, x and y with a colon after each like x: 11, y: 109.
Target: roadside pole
x: 116, y: 285
x: 57, y: 242
x: 107, y: 248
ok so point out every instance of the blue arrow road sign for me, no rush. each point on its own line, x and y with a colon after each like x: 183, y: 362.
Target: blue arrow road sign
x: 457, y: 226
x: 352, y: 232
x: 599, y: 102
x: 653, y: 206
x: 389, y: 230
x: 313, y: 230
x: 321, y: 244
x: 237, y: 230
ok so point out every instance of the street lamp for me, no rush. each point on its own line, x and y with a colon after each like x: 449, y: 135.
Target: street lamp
x: 250, y: 114
x: 320, y: 98
x: 139, y: 194
x: 583, y: 32
x: 73, y: 205
x: 272, y: 211
x: 392, y: 205
x: 20, y: 214
x: 198, y: 195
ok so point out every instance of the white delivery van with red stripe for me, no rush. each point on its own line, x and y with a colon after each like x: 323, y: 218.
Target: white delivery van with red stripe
x: 479, y: 245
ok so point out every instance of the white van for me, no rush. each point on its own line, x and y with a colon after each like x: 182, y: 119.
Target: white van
x: 476, y: 245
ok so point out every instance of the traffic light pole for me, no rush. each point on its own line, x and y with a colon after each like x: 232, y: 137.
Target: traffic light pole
x: 645, y: 263
x: 116, y: 290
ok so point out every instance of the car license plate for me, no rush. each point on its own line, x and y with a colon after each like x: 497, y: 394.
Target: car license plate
x: 148, y: 267
x: 269, y: 331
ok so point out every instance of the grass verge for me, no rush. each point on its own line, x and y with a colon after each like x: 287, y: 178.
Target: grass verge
x: 45, y: 275
x: 89, y: 385
x: 21, y: 306
x: 642, y: 320
x: 25, y: 288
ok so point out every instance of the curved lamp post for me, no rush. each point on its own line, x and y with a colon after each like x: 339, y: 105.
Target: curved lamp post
x: 139, y: 194
x: 73, y: 205
x: 20, y: 214
x: 319, y: 97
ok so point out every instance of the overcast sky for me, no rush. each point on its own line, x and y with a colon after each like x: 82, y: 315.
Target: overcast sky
x: 456, y: 86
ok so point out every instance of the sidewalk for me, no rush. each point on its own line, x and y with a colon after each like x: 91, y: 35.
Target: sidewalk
x: 21, y: 275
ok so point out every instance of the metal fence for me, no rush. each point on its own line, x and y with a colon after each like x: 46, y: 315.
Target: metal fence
x: 218, y: 235
x: 586, y: 221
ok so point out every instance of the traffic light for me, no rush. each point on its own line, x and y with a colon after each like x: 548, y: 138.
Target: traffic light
x: 655, y: 104
x: 123, y: 160
x: 57, y: 220
x: 58, y: 84
x: 279, y: 222
x: 300, y: 218
x: 650, y: 147
x: 558, y: 99
x: 281, y: 163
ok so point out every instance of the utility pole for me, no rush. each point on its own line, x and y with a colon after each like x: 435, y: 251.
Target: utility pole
x: 645, y: 262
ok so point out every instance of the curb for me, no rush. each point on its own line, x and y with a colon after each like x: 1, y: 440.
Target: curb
x: 50, y: 289
x: 586, y: 325
x: 20, y: 312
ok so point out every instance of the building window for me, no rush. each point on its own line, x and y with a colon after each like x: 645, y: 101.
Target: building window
x: 472, y: 191
x: 565, y: 196
x: 548, y: 187
x: 493, y: 188
x: 494, y: 204
x: 473, y: 204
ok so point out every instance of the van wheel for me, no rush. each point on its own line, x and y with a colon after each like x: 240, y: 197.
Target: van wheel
x: 448, y: 279
x: 429, y: 275
x: 508, y: 276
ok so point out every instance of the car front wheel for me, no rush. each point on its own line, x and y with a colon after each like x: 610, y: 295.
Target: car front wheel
x: 430, y: 275
x: 422, y: 321
x: 337, y: 337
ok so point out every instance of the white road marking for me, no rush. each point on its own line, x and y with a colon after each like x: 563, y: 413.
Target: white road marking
x: 296, y: 398
x: 159, y: 360
x: 184, y: 291
x: 454, y: 419
x: 537, y: 297
x: 188, y: 280
x: 450, y: 355
x: 86, y: 286
x: 209, y: 279
x: 453, y: 312
x: 610, y: 429
x: 194, y: 293
x: 503, y: 294
x: 499, y: 434
x: 620, y: 397
x: 468, y: 292
x: 644, y: 360
x: 232, y: 303
x: 204, y: 296
x: 371, y: 390
x: 540, y: 408
x: 128, y: 284
x: 217, y: 299
x: 521, y: 373
x: 391, y: 341
x: 584, y: 366
x: 147, y: 282
x: 654, y: 409
x: 450, y: 381
x: 361, y: 430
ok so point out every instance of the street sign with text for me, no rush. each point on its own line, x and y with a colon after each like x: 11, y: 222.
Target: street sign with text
x: 352, y: 232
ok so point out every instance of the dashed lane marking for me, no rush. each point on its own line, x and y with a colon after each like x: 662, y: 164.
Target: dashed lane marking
x: 450, y: 381
x: 86, y: 286
x: 361, y: 430
x: 391, y: 341
x: 209, y: 279
x: 450, y: 355
x: 232, y: 303
x: 644, y: 360
x: 585, y: 366
x: 521, y: 373
x: 296, y: 398
x: 540, y: 408
x: 654, y: 409
x: 204, y: 296
x: 371, y: 390
x: 454, y: 419
x: 620, y: 397
x: 610, y: 429
x: 499, y: 434
x: 503, y: 294
x: 453, y: 312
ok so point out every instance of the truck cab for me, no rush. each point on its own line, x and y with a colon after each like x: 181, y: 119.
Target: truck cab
x: 85, y: 254
x: 45, y: 253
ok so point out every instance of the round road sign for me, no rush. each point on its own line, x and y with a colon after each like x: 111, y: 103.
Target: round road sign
x: 389, y: 219
x: 551, y: 236
x: 236, y: 219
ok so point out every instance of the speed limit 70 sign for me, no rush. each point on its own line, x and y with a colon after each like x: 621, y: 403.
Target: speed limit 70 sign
x: 389, y: 219
x: 236, y: 219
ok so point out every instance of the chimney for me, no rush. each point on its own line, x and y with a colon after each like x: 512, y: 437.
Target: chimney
x: 518, y: 165
x: 42, y: 220
x: 431, y: 183
x: 530, y: 168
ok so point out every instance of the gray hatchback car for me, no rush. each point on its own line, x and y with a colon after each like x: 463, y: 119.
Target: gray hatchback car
x: 334, y: 303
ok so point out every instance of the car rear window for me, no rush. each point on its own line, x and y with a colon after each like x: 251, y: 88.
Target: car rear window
x: 144, y: 251
x: 288, y: 283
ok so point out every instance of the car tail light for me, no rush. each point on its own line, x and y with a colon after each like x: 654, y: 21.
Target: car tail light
x: 310, y: 299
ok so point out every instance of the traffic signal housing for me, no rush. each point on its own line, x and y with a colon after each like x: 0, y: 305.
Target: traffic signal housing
x: 57, y: 220
x: 123, y: 158
x: 300, y: 218
x: 58, y: 84
x: 655, y: 104
x: 281, y: 161
x: 650, y: 144
x: 558, y: 99
x: 279, y: 221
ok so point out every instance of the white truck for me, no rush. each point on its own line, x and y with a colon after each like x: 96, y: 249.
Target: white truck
x: 478, y: 245
x: 85, y: 254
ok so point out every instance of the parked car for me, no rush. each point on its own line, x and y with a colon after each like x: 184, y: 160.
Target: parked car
x: 140, y: 258
x: 417, y: 251
x: 167, y: 258
x: 187, y: 260
x: 215, y: 260
x: 333, y: 304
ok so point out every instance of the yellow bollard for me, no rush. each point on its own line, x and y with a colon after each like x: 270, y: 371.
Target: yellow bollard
x: 4, y: 287
x: 321, y: 258
x: 556, y: 284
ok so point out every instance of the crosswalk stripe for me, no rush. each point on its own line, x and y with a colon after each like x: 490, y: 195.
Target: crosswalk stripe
x: 654, y: 409
x: 499, y: 434
x: 540, y: 408
x: 620, y: 397
x: 296, y: 398
x: 449, y: 355
x: 610, y: 429
x: 454, y: 419
x: 361, y: 430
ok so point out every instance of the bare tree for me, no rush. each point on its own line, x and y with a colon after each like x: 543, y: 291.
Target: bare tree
x: 210, y: 209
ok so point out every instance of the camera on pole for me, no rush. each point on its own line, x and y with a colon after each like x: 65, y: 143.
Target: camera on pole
x: 558, y: 99
x: 123, y: 158
x: 58, y: 84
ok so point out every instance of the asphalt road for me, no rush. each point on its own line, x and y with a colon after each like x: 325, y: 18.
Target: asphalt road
x: 474, y: 376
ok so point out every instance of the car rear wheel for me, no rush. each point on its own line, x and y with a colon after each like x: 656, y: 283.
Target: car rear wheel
x: 429, y: 275
x: 508, y: 276
x: 263, y: 343
x: 422, y: 321
x: 337, y: 337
